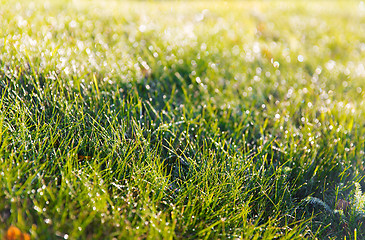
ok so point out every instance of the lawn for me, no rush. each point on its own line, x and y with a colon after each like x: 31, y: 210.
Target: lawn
x: 182, y: 120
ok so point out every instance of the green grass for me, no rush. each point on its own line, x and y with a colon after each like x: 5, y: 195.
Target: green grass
x: 208, y: 120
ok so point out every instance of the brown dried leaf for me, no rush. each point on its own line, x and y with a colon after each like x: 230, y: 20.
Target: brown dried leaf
x: 342, y: 204
x: 14, y: 233
x: 82, y: 157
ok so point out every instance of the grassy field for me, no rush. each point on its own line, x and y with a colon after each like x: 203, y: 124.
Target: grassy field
x: 197, y: 120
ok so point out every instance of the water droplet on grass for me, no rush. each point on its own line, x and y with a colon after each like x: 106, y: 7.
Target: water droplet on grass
x: 142, y: 28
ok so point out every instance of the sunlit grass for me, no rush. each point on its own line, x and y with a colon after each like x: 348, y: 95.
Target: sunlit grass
x: 182, y: 120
